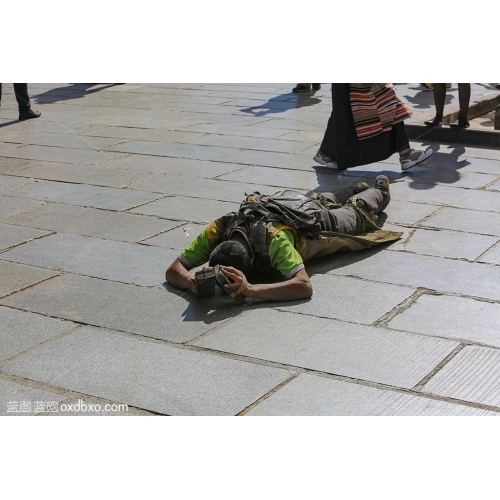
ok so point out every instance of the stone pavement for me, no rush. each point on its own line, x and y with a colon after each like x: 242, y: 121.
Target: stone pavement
x: 94, y: 196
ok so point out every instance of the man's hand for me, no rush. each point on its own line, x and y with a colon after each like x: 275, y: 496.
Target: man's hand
x: 239, y: 282
x: 298, y: 287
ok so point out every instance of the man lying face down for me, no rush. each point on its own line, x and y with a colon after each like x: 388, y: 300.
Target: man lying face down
x: 274, y: 235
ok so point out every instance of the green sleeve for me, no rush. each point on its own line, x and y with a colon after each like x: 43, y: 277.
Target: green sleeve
x: 283, y: 254
x: 197, y: 253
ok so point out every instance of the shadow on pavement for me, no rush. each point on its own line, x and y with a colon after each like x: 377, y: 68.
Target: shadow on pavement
x: 6, y: 124
x: 440, y: 168
x: 74, y: 91
x: 279, y: 105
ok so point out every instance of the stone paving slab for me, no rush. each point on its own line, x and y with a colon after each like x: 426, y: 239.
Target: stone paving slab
x: 475, y: 152
x: 8, y: 182
x: 408, y: 213
x: 357, y: 351
x: 173, y: 150
x: 69, y: 141
x: 148, y: 375
x: 460, y: 165
x: 304, y: 135
x: 20, y: 330
x: 302, y: 123
x: 495, y: 186
x: 140, y: 121
x: 12, y: 165
x: 176, y: 166
x: 113, y: 260
x: 265, y: 159
x: 18, y: 276
x: 232, y: 130
x: 472, y: 221
x: 11, y: 236
x: 100, y: 175
x: 6, y: 146
x: 453, y: 318
x: 129, y: 308
x: 310, y: 395
x: 434, y: 273
x: 445, y: 177
x: 16, y: 397
x: 449, y: 244
x: 89, y: 222
x: 187, y: 209
x: 492, y: 256
x: 250, y: 143
x: 444, y: 195
x: 472, y: 375
x: 183, y: 185
x: 176, y: 238
x: 346, y: 299
x: 62, y: 155
x: 9, y: 205
x: 143, y: 134
x: 274, y: 177
x: 84, y: 195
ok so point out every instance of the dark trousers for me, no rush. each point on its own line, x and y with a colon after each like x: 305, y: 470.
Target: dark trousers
x: 347, y: 220
x: 22, y: 97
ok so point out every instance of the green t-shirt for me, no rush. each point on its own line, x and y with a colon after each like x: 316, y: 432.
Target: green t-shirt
x: 284, y: 257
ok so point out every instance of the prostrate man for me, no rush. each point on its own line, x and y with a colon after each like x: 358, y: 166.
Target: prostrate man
x: 274, y: 235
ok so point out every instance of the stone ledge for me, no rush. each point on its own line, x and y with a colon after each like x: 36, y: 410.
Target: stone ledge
x: 469, y: 137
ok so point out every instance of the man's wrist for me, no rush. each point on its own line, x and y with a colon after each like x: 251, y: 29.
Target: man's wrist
x: 250, y: 291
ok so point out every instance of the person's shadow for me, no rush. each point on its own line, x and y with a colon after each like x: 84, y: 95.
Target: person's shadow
x: 67, y: 93
x: 440, y: 168
x: 281, y: 103
x: 221, y: 306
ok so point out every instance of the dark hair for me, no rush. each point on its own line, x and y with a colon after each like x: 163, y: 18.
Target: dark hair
x: 231, y: 253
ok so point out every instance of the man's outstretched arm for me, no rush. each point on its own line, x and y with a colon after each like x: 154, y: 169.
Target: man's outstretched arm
x: 179, y: 276
x: 298, y: 287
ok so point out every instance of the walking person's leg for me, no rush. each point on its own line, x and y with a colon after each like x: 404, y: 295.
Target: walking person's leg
x: 463, y: 101
x: 23, y: 101
x: 22, y: 97
x: 439, y: 97
x: 409, y: 157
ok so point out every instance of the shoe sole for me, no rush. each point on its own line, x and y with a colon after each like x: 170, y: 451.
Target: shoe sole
x: 418, y: 162
x: 29, y: 118
x: 317, y: 159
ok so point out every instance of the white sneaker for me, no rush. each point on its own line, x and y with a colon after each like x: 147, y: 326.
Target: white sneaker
x: 324, y: 160
x: 414, y: 157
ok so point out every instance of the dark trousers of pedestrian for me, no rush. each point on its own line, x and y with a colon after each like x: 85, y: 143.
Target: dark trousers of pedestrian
x: 347, y: 220
x: 22, y: 97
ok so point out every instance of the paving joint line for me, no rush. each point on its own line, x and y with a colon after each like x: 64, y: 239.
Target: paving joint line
x: 268, y: 394
x: 41, y: 237
x: 29, y: 286
x: 63, y: 334
x: 418, y: 387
